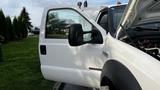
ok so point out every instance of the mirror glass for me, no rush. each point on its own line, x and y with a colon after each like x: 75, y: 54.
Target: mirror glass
x: 58, y: 22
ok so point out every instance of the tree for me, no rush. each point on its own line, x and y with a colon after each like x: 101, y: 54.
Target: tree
x: 24, y: 21
x: 10, y: 34
x: 2, y: 25
x: 16, y: 28
x: 21, y: 28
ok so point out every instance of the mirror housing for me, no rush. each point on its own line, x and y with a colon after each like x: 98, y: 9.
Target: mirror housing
x: 75, y: 36
x: 76, y: 33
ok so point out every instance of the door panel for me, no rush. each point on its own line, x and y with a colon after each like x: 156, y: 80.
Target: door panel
x: 62, y: 62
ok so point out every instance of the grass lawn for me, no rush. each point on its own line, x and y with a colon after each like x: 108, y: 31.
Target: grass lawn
x: 21, y: 67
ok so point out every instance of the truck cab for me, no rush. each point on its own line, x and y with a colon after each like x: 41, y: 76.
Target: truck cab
x: 60, y: 61
x: 78, y: 49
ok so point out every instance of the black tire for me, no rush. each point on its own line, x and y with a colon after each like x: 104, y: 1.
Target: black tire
x: 107, y: 82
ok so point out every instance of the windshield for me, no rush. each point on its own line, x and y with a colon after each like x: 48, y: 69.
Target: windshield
x: 117, y: 13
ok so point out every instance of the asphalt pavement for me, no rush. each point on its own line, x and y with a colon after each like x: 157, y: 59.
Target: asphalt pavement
x: 64, y: 86
x: 74, y: 87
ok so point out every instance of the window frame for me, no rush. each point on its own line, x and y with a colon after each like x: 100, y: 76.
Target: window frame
x: 63, y: 9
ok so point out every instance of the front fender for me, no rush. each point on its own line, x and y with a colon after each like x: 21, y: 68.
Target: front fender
x: 144, y: 67
x: 119, y: 75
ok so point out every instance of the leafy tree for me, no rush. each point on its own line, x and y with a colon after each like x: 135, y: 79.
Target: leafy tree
x: 2, y: 26
x: 24, y: 21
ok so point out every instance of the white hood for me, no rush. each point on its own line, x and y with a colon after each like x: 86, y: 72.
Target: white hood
x: 140, y: 12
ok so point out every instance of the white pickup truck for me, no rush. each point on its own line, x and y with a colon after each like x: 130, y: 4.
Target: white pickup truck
x: 75, y: 49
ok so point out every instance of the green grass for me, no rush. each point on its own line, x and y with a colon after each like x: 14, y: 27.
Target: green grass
x: 20, y: 69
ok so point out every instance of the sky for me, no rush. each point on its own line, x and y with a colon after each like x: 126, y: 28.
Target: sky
x: 35, y: 7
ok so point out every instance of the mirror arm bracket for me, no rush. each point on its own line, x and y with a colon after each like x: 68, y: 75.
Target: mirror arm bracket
x: 86, y: 32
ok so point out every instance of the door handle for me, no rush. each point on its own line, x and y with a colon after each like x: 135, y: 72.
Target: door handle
x: 105, y: 54
x: 43, y: 49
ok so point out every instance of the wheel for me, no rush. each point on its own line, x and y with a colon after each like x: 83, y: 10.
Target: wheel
x: 107, y: 84
x: 117, y: 76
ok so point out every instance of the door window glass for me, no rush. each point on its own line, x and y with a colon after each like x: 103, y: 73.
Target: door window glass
x: 58, y: 22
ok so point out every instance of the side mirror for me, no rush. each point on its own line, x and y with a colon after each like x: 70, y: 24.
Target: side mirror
x: 76, y: 36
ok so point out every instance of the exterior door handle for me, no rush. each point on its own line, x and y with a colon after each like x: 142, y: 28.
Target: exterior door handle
x: 43, y: 49
x: 105, y: 54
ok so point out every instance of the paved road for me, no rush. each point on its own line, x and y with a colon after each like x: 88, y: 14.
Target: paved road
x: 74, y: 87
x: 64, y: 86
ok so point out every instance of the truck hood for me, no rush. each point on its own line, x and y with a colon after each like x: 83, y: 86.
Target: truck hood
x: 139, y: 12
